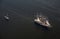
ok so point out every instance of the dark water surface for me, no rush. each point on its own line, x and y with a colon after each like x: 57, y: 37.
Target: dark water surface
x: 21, y: 25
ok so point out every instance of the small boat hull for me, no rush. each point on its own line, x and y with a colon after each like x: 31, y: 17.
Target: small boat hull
x: 6, y: 18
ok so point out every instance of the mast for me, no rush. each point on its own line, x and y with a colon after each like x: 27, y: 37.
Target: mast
x: 37, y: 15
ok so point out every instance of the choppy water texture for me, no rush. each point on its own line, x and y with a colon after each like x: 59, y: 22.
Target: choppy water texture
x: 21, y: 13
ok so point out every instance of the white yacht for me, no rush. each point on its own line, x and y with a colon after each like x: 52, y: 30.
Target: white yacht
x: 42, y: 21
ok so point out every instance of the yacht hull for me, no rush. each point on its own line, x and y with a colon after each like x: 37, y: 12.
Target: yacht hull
x: 40, y: 23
